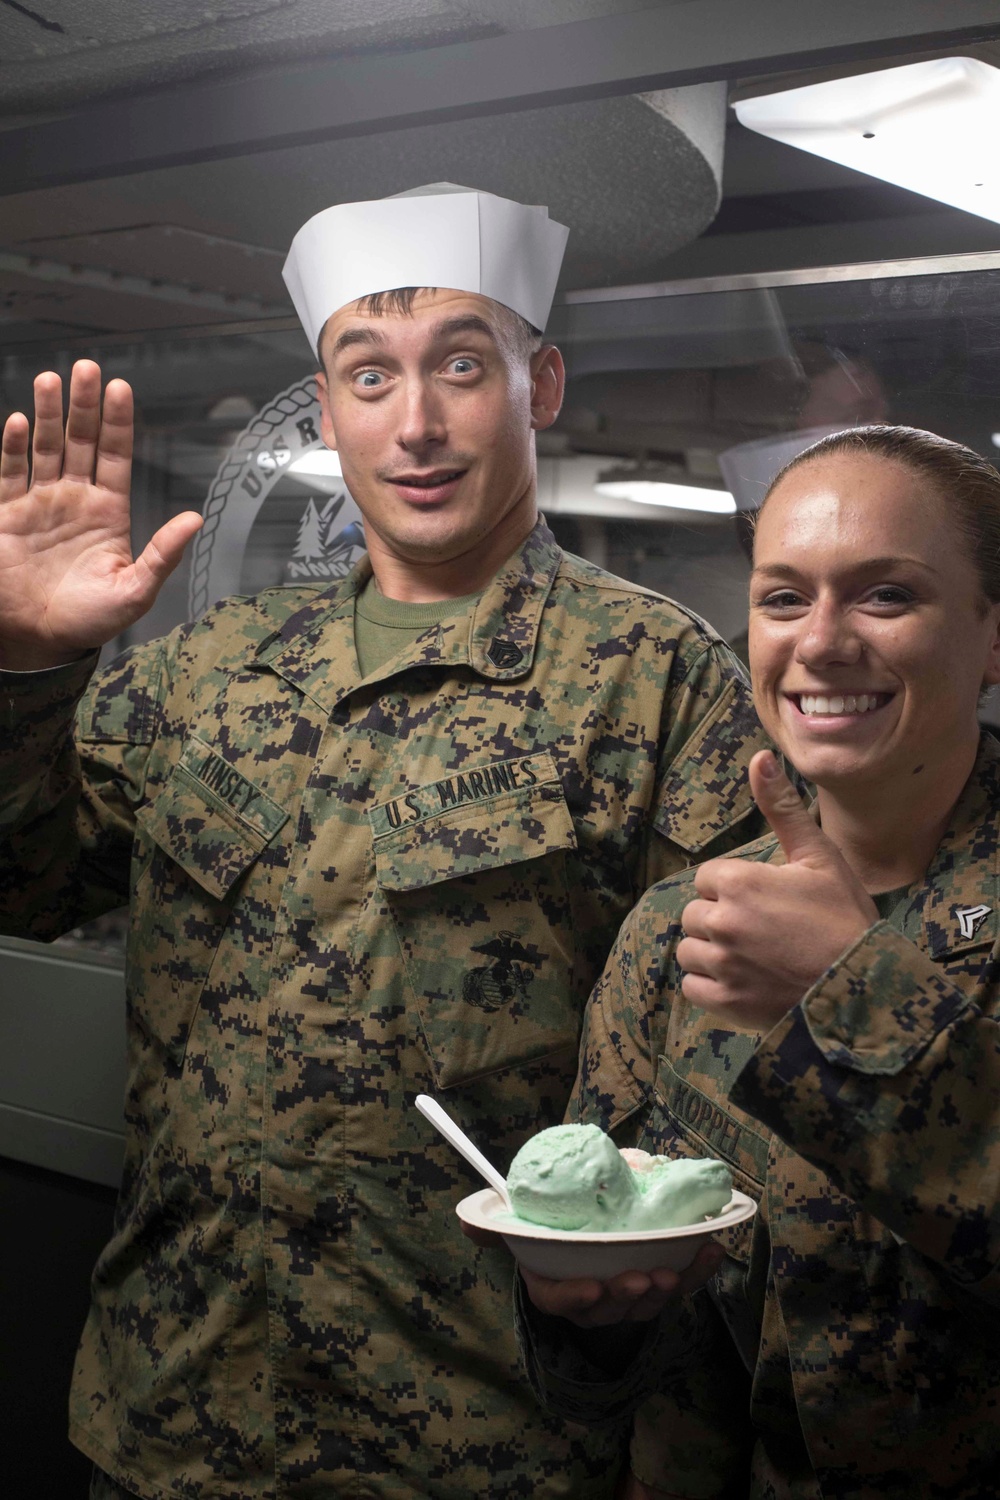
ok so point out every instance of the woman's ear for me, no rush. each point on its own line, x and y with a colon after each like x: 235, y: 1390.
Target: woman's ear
x: 991, y: 673
x: 548, y: 381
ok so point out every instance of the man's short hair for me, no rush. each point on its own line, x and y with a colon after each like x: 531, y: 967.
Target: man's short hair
x: 523, y: 339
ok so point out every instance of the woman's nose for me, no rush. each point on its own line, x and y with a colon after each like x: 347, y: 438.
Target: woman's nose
x: 828, y: 636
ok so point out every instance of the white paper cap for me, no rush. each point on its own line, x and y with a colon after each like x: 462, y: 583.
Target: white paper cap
x: 436, y: 236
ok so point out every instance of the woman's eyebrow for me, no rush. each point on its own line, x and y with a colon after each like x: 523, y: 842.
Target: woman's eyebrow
x: 869, y: 565
x: 776, y: 570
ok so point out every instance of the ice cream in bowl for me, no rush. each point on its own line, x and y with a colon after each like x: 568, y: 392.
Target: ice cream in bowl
x: 581, y: 1207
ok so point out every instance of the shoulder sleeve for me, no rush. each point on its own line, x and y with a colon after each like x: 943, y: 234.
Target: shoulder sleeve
x: 625, y: 1023
x: 615, y: 1073
x: 566, y: 1381
x: 704, y: 806
x: 887, y: 1076
x: 694, y: 1436
x: 73, y: 781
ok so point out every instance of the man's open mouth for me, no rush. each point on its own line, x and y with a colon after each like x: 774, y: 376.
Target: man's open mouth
x: 427, y: 481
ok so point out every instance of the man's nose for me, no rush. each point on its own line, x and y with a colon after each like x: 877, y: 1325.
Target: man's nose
x: 422, y: 422
x: 829, y: 637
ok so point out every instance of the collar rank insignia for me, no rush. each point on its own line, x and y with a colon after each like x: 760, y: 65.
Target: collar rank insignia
x: 971, y: 918
x: 504, y: 653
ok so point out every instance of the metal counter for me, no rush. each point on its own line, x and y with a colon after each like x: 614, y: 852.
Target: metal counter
x: 62, y: 1059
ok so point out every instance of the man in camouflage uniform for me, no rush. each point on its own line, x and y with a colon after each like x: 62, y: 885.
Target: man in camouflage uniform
x: 847, y: 1346
x: 345, y: 889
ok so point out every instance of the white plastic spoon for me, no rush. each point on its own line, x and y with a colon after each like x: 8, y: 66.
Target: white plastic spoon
x: 453, y: 1133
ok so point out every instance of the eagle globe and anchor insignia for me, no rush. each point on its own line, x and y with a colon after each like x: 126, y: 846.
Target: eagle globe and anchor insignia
x: 329, y: 539
x: 505, y: 980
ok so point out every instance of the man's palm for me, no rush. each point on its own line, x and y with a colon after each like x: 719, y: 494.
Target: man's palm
x: 68, y: 582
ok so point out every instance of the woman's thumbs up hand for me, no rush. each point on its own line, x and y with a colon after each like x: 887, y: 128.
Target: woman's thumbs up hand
x: 759, y: 935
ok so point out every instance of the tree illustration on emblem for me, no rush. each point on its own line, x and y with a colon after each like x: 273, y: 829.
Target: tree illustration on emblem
x: 309, y: 542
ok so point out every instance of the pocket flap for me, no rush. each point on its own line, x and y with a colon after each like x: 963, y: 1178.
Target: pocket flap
x: 210, y: 819
x: 478, y: 819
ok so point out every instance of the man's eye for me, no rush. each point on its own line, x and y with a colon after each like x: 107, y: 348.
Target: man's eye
x: 462, y: 365
x: 369, y: 380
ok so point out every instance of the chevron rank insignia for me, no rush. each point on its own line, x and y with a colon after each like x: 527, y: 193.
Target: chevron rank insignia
x: 504, y: 653
x: 971, y: 918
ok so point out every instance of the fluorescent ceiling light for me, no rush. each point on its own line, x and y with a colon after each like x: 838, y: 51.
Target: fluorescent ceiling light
x: 318, y: 461
x: 932, y: 127
x: 678, y: 496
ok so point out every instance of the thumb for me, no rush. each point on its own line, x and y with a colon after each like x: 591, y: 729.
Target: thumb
x: 164, y: 551
x: 798, y: 835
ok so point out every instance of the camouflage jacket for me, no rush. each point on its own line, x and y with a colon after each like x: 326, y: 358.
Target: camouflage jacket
x: 850, y: 1345
x: 343, y: 893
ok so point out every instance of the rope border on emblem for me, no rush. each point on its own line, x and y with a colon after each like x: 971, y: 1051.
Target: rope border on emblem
x: 241, y: 453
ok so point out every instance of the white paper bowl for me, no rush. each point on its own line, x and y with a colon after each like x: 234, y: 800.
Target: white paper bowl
x: 563, y: 1254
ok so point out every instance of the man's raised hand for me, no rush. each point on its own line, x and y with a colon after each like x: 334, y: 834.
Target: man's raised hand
x: 759, y: 935
x: 68, y: 582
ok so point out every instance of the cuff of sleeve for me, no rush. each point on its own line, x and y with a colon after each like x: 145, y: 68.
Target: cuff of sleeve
x: 872, y: 1014
x: 566, y: 1381
x: 30, y: 702
x: 880, y: 1006
x: 45, y: 679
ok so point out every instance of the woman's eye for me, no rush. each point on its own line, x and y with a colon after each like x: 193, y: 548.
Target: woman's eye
x: 890, y: 594
x: 781, y: 599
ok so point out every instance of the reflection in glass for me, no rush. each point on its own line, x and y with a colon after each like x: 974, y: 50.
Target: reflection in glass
x: 686, y: 387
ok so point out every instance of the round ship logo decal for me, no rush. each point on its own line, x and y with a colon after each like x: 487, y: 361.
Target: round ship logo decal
x: 329, y: 539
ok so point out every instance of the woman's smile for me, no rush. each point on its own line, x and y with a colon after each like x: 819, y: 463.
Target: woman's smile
x: 862, y: 586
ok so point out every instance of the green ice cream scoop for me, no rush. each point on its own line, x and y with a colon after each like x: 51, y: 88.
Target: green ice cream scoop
x: 675, y: 1191
x: 574, y: 1177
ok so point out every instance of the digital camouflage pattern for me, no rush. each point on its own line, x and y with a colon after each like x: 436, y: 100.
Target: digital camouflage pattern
x: 344, y: 893
x: 850, y: 1345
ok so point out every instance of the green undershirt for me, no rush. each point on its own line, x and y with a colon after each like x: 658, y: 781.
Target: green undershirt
x: 886, y: 901
x: 384, y: 627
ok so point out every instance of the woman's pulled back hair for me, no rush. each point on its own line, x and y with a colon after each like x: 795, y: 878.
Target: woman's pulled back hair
x: 966, y: 482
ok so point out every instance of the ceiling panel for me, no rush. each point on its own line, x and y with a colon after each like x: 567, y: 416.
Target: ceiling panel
x: 57, y: 53
x: 27, y: 300
x: 173, y: 253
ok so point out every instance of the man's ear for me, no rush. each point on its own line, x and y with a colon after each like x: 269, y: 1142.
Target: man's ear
x: 548, y: 381
x: 325, y: 417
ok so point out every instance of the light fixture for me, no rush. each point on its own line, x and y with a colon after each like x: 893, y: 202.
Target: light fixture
x: 931, y: 127
x: 650, y: 491
x: 322, y: 461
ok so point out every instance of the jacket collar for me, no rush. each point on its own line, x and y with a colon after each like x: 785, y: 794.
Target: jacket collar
x: 314, y: 649
x: 957, y: 907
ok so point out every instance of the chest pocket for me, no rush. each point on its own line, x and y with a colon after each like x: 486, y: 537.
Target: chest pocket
x: 685, y: 1121
x: 200, y: 835
x: 478, y: 894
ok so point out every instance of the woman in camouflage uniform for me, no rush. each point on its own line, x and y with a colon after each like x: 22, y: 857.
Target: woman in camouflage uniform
x: 821, y: 1012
